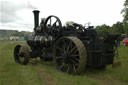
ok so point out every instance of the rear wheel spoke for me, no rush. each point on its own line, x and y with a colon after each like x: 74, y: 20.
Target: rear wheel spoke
x: 68, y: 69
x: 73, y: 49
x: 69, y: 46
x: 59, y: 48
x: 74, y: 68
x: 74, y: 55
x: 59, y: 57
x: 64, y: 46
x: 62, y: 66
x: 74, y: 61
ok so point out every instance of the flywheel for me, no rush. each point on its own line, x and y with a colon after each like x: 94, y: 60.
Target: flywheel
x: 70, y: 55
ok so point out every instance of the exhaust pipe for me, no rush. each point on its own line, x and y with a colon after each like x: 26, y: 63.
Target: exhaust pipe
x: 36, y: 18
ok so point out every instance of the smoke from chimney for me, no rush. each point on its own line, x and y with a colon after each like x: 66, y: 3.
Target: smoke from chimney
x: 31, y: 6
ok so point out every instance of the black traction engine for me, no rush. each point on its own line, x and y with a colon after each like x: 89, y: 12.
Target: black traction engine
x: 72, y: 47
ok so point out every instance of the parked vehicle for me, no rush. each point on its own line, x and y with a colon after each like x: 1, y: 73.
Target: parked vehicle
x: 125, y: 41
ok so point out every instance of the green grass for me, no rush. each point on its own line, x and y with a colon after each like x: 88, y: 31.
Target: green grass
x: 45, y: 73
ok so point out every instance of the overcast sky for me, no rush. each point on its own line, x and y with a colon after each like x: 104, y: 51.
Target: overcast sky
x: 17, y: 14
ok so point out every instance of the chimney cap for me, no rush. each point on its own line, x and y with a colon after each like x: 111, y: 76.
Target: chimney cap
x: 36, y: 11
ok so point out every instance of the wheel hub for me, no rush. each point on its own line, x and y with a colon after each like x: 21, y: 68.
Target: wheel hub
x: 21, y: 54
x: 66, y: 58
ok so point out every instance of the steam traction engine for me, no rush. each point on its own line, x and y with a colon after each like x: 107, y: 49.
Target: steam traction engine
x: 72, y: 47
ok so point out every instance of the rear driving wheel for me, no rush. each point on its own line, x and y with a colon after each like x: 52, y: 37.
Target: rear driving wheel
x: 21, y: 54
x: 70, y: 55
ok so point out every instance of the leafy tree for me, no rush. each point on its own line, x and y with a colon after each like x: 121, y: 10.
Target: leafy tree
x: 125, y: 24
x: 103, y: 29
x: 125, y: 11
x: 125, y: 15
x: 118, y: 28
x: 15, y: 34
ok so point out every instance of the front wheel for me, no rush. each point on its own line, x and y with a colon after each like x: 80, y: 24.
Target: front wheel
x: 21, y: 54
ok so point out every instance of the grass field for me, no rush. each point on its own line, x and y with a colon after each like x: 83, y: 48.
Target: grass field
x: 45, y: 73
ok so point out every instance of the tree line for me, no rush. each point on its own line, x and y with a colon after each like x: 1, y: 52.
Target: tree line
x: 119, y: 27
x: 15, y: 33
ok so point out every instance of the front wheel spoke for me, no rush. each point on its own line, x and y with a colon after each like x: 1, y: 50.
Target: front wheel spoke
x: 20, y: 54
x: 20, y: 50
x: 16, y: 54
x: 21, y: 59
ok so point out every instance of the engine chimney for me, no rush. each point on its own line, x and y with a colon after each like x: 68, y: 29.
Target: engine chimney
x: 36, y: 18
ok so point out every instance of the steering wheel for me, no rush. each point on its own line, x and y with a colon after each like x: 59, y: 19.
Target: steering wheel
x: 52, y: 27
